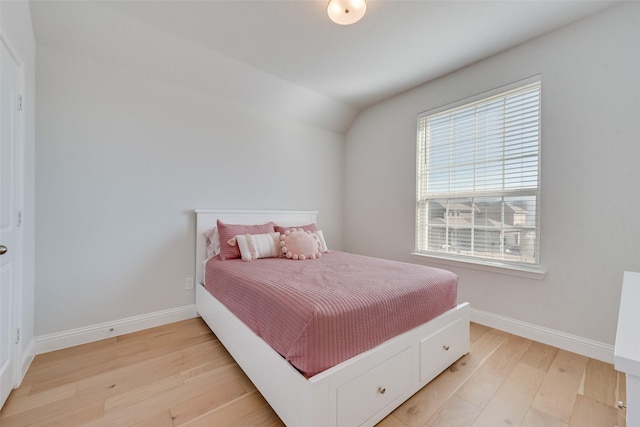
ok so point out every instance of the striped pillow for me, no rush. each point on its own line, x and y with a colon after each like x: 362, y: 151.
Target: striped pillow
x: 227, y: 232
x: 255, y: 246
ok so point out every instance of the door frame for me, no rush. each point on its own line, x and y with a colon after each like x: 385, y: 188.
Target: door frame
x: 17, y: 323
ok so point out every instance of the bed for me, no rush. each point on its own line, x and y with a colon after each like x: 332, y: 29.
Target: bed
x: 360, y: 390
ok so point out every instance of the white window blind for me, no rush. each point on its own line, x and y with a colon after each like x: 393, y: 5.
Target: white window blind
x: 478, y: 174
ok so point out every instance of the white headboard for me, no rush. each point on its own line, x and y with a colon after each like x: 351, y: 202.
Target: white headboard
x: 207, y: 218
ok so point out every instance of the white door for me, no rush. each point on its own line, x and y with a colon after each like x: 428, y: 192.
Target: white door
x: 10, y: 104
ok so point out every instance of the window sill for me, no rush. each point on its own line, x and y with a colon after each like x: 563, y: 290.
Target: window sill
x: 496, y: 267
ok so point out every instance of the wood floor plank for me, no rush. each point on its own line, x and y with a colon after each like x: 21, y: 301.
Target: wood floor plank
x: 230, y: 413
x: 75, y: 411
x: 418, y: 409
x: 455, y: 412
x: 70, y: 354
x: 600, y: 382
x: 180, y: 374
x: 622, y: 399
x: 208, y: 350
x: 540, y: 356
x: 100, y: 360
x: 161, y: 419
x: 263, y: 417
x: 622, y: 387
x: 43, y: 376
x: 167, y: 394
x: 78, y: 416
x: 206, y: 368
x: 476, y: 331
x: 622, y: 418
x: 191, y: 409
x: 485, y: 381
x: 170, y: 333
x: 16, y: 405
x: 391, y: 421
x: 590, y: 412
x: 80, y: 357
x: 511, y: 402
x: 129, y: 377
x: 559, y: 389
x: 535, y: 418
x: 143, y: 393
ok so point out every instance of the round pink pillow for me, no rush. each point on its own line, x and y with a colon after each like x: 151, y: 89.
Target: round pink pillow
x: 299, y: 244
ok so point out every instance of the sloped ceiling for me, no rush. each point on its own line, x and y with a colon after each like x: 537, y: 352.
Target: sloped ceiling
x: 286, y: 56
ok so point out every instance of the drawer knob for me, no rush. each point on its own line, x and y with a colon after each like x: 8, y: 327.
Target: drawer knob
x: 445, y: 347
x: 382, y: 390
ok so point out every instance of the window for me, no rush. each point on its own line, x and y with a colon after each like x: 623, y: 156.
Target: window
x: 478, y: 179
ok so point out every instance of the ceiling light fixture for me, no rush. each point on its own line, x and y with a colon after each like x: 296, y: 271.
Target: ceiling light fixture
x: 346, y: 12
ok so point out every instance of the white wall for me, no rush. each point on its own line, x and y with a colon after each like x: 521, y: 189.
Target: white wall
x: 590, y: 174
x: 15, y: 24
x: 98, y: 31
x: 123, y: 159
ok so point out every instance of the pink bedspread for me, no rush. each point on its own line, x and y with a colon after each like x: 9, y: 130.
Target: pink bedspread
x: 318, y: 313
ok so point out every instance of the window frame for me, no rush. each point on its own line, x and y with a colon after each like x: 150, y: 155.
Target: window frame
x: 520, y: 268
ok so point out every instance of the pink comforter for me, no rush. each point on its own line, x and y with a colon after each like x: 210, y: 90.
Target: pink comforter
x: 318, y: 313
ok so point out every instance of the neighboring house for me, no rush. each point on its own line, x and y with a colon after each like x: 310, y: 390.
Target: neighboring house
x: 494, y: 229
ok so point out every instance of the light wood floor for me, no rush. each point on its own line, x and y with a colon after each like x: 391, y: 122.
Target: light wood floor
x: 180, y: 374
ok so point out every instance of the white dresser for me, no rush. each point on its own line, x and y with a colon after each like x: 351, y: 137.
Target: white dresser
x: 627, y: 348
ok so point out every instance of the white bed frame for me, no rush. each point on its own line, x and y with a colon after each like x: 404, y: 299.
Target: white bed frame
x: 359, y: 391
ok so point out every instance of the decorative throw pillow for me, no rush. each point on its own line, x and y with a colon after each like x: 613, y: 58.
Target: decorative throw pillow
x: 309, y: 227
x: 300, y: 245
x: 227, y: 232
x: 255, y: 246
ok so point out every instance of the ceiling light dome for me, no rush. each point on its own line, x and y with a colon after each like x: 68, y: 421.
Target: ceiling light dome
x: 346, y: 12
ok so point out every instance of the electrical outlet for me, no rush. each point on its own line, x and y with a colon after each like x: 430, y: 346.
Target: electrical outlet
x: 188, y: 283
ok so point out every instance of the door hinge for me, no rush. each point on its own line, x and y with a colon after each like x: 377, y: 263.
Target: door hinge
x: 17, y: 335
x: 19, y: 102
x: 19, y: 218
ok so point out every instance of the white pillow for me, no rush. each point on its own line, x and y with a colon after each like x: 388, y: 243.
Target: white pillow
x: 323, y: 244
x: 255, y: 246
x: 212, y: 242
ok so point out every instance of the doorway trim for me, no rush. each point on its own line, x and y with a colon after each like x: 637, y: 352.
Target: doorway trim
x: 22, y: 357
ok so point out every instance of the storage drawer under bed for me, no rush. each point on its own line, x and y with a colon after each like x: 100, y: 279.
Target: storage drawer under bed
x: 437, y: 349
x: 364, y: 396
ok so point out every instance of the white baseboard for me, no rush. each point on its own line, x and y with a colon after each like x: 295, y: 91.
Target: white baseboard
x: 562, y: 340
x: 73, y: 337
